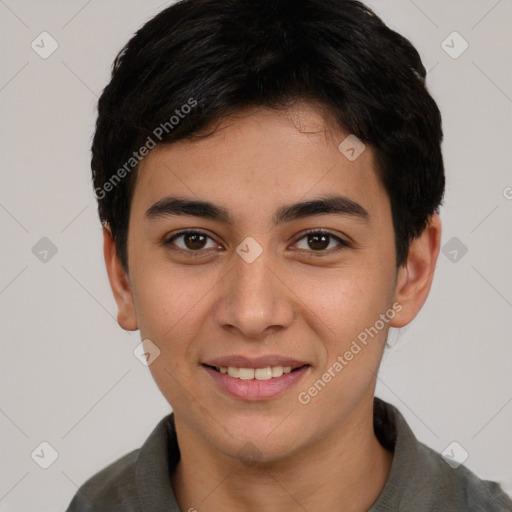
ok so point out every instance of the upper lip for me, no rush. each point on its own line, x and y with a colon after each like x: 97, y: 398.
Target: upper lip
x: 254, y: 362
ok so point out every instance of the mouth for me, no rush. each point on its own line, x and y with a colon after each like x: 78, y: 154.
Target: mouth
x: 258, y: 382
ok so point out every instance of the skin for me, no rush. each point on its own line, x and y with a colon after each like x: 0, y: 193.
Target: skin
x: 275, y: 454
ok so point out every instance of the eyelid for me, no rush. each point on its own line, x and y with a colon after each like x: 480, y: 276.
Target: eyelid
x: 168, y: 240
x: 341, y: 241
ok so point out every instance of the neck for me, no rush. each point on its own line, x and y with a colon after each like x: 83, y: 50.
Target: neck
x: 347, y: 469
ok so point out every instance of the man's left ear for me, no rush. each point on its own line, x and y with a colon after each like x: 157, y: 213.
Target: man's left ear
x: 415, y: 277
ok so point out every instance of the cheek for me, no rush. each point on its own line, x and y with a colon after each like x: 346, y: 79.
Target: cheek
x: 166, y: 301
x: 350, y: 304
x: 168, y: 307
x: 348, y: 300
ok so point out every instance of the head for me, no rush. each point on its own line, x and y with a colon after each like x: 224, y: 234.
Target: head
x: 298, y: 143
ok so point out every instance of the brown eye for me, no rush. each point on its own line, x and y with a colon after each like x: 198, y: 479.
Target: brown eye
x: 321, y: 241
x: 318, y: 241
x: 191, y: 241
x: 194, y: 241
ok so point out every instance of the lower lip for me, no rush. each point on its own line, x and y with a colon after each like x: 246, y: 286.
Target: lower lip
x: 254, y: 389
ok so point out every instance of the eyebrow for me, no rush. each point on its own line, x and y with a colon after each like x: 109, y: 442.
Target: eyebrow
x: 340, y: 205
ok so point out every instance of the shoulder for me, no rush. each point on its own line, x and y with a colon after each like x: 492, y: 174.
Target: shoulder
x: 112, y: 488
x: 459, y: 488
x: 140, y: 480
x: 422, y: 480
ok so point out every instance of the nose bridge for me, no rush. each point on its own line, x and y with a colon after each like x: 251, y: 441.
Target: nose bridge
x: 253, y: 299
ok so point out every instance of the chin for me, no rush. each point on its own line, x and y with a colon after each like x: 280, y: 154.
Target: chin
x: 258, y: 443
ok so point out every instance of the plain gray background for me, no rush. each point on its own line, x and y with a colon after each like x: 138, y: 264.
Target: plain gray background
x: 69, y: 376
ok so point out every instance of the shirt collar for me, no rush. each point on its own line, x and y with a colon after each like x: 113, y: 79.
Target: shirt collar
x: 160, y: 454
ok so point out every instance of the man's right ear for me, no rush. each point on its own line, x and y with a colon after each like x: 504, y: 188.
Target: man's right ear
x: 119, y: 282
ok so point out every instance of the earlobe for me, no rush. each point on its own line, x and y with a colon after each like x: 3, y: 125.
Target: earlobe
x: 415, y: 277
x: 119, y: 283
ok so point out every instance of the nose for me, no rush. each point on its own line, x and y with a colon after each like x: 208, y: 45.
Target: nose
x: 254, y: 298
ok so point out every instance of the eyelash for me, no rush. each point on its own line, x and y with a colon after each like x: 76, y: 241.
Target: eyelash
x: 318, y: 254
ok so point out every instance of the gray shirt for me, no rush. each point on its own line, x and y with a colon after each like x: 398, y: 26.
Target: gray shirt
x: 419, y: 481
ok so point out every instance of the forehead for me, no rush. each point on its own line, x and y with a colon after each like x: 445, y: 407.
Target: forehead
x: 259, y: 158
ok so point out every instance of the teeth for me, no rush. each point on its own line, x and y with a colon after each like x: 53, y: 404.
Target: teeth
x: 263, y: 373
x: 245, y: 373
x: 266, y: 373
x: 233, y: 372
x: 277, y: 371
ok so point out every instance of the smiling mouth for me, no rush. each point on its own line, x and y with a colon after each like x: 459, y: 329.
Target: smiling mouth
x: 264, y: 373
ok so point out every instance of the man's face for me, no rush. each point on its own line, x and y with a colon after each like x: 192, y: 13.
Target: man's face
x: 302, y: 301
